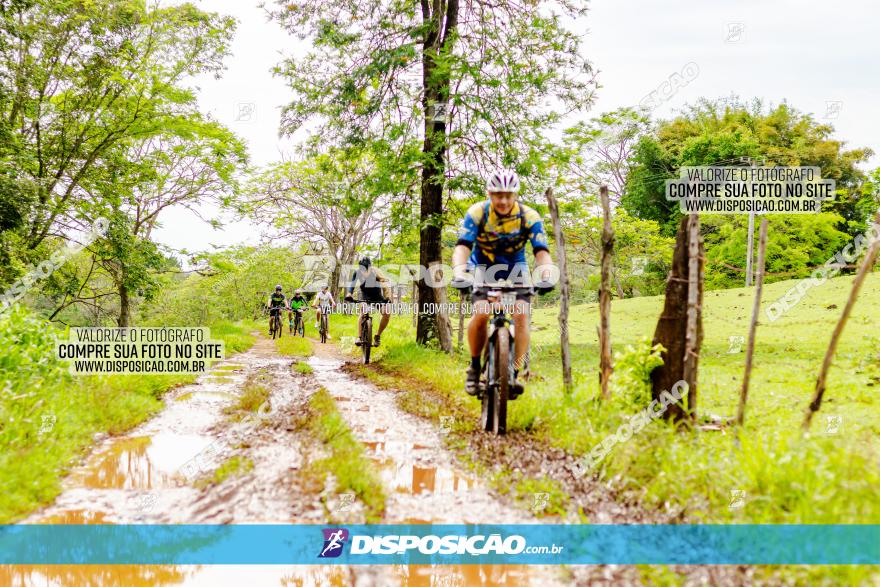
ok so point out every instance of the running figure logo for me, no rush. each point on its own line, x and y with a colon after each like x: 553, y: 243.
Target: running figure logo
x: 334, y: 539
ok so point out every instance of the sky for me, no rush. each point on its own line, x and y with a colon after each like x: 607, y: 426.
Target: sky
x: 822, y: 58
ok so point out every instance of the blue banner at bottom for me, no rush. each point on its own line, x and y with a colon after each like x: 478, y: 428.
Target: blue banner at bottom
x: 421, y: 544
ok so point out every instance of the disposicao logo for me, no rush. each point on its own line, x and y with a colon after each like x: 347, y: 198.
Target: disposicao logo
x: 334, y: 540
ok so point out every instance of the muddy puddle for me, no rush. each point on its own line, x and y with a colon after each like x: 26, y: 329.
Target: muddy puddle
x: 424, y: 483
x: 148, y: 476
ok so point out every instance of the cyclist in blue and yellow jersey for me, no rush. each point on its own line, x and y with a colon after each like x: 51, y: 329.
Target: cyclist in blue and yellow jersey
x: 492, y: 245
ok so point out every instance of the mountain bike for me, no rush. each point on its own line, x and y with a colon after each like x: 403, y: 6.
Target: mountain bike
x: 275, y: 327
x: 298, y: 323
x: 366, y: 332
x: 498, y: 362
x: 497, y: 375
x: 324, y: 325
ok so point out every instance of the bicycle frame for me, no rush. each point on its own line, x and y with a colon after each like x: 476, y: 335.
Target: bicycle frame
x: 366, y: 331
x: 499, y: 378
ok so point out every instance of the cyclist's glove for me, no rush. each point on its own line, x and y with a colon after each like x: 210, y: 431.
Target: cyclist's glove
x: 544, y: 287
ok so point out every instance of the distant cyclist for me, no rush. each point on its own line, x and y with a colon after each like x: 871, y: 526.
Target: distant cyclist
x: 275, y: 304
x: 323, y: 303
x: 297, y: 304
x: 374, y: 289
x: 497, y: 230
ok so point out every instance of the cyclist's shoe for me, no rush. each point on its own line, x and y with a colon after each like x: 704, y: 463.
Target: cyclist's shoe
x: 376, y: 340
x: 516, y: 389
x: 357, y: 342
x: 472, y: 381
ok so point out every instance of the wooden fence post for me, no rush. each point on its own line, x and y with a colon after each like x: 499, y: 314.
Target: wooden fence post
x: 867, y: 265
x: 444, y: 327
x: 567, y: 381
x: 691, y: 346
x: 756, y: 308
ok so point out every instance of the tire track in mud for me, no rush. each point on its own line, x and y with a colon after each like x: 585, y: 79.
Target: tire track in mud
x: 146, y: 477
x: 424, y: 484
x: 589, y: 498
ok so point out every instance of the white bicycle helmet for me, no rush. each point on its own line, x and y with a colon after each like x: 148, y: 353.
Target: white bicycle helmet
x: 503, y: 180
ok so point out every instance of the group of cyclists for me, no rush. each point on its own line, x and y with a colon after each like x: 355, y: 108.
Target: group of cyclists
x: 491, y: 248
x: 297, y: 305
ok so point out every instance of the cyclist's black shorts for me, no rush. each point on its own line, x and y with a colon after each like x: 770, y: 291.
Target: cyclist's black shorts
x: 373, y: 299
x: 275, y: 311
x: 481, y: 294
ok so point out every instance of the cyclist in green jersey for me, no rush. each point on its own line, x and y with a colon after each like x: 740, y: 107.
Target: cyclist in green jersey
x: 298, y: 303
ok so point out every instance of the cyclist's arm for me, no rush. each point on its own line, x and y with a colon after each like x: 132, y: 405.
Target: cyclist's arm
x: 351, y: 284
x: 470, y: 227
x: 459, y: 259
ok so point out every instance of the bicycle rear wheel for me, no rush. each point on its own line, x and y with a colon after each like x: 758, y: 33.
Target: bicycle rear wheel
x: 367, y: 338
x: 487, y: 398
x: 502, y: 377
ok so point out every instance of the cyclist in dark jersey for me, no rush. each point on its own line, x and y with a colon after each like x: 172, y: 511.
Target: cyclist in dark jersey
x: 276, y: 303
x: 498, y: 230
x: 373, y: 290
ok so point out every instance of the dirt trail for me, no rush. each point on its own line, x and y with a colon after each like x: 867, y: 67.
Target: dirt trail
x: 158, y: 473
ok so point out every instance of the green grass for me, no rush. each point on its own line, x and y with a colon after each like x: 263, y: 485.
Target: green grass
x: 347, y: 463
x: 294, y: 346
x: 821, y: 478
x: 39, y: 389
x: 303, y: 368
x: 786, y: 477
x: 254, y: 394
x: 236, y: 336
x: 234, y: 466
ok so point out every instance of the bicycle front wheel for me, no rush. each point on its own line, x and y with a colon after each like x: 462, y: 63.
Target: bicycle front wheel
x: 367, y: 338
x: 502, y: 377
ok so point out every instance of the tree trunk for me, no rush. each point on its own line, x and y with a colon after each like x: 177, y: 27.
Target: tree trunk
x: 567, y: 382
x: 124, y: 306
x: 461, y: 302
x: 605, y: 368
x: 438, y: 40
x: 671, y: 331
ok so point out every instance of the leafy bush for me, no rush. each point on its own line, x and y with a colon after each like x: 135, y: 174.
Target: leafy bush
x: 631, y: 381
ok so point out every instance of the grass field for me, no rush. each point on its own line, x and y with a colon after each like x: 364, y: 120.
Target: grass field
x: 49, y: 418
x: 828, y: 476
x: 769, y: 473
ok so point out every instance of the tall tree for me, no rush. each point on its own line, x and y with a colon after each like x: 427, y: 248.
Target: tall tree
x: 477, y: 83
x: 335, y: 200
x: 80, y: 78
x: 192, y: 163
